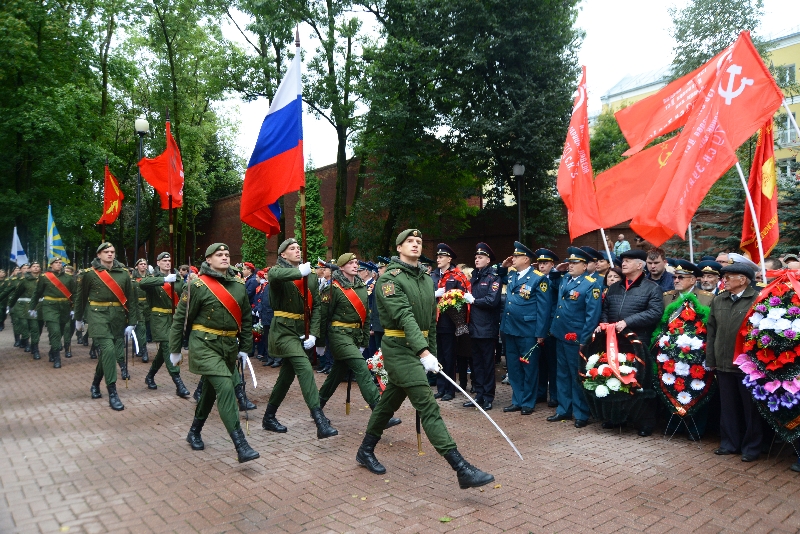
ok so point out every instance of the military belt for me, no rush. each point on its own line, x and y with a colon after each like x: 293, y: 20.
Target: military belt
x: 95, y: 303
x: 142, y: 298
x: 289, y: 315
x: 57, y: 299
x: 161, y: 310
x: 24, y: 299
x: 223, y: 333
x: 400, y: 333
x: 346, y: 325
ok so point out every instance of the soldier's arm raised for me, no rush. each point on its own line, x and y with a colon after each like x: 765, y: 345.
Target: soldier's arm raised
x: 285, y: 274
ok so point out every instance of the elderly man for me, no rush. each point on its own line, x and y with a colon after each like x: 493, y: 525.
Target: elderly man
x: 635, y: 303
x: 740, y: 424
x: 685, y: 279
x: 621, y: 245
x: 709, y: 276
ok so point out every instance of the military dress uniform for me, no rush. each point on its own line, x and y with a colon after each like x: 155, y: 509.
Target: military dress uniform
x: 526, y: 318
x: 577, y: 314
x: 19, y: 319
x: 5, y: 290
x: 56, y: 311
x: 548, y: 374
x: 144, y: 314
x: 21, y: 303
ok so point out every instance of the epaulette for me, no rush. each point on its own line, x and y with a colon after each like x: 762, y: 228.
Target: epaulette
x: 198, y: 282
x: 670, y: 292
x: 591, y: 278
x: 394, y: 272
x: 241, y: 281
x: 706, y: 293
x: 537, y: 272
x: 761, y: 284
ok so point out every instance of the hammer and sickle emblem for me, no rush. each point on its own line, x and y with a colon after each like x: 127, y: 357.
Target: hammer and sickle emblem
x: 663, y: 157
x: 729, y: 94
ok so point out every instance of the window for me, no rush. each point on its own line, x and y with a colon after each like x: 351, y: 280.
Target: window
x: 788, y: 172
x: 785, y: 74
x: 785, y: 132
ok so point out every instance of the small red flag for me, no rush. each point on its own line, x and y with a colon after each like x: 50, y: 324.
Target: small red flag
x: 575, y: 179
x: 112, y: 199
x: 165, y: 173
x: 763, y: 187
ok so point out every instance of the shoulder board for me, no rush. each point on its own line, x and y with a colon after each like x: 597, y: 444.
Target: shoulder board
x: 704, y: 293
x: 395, y: 272
x: 198, y: 282
x: 591, y: 278
x: 241, y: 281
x: 670, y: 292
x: 538, y: 272
x: 761, y: 284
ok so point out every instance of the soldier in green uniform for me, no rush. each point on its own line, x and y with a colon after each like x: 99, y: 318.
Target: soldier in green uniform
x: 107, y: 302
x: 4, y: 292
x: 21, y: 303
x: 69, y: 330
x: 342, y: 304
x: 407, y: 308
x: 140, y: 272
x: 215, y: 309
x: 56, y: 289
x: 287, y: 339
x: 159, y: 287
x: 19, y: 319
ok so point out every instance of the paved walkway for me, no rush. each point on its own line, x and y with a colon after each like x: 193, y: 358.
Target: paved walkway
x: 70, y: 464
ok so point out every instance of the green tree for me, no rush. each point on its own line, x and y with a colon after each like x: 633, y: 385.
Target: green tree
x: 254, y: 246
x: 315, y: 233
x: 607, y: 142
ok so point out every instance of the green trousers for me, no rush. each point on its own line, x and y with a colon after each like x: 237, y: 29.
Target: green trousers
x: 55, y: 331
x: 34, y: 329
x: 295, y: 366
x: 141, y: 338
x: 422, y: 400
x: 19, y: 320
x: 219, y: 389
x: 362, y: 376
x: 162, y: 358
x: 69, y: 331
x: 111, y: 351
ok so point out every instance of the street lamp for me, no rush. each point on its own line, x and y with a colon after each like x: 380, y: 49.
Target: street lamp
x: 142, y: 128
x: 519, y: 170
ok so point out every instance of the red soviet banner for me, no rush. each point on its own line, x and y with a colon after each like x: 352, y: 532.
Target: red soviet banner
x: 763, y: 187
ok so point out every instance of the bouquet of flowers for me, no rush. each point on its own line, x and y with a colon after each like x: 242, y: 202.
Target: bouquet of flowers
x: 768, y: 352
x: 258, y: 331
x: 601, y: 379
x: 375, y: 365
x: 454, y: 305
x: 682, y: 379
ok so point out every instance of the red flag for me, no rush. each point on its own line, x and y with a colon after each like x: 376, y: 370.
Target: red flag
x: 575, y: 181
x: 165, y: 173
x: 112, y: 199
x: 763, y: 187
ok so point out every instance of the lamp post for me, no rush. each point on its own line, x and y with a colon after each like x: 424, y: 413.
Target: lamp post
x: 519, y: 170
x: 142, y: 127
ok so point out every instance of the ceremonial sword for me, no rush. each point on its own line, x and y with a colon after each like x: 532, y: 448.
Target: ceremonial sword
x: 478, y: 406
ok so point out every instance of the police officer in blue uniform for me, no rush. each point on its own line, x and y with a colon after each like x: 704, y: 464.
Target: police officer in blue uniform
x: 547, y: 260
x: 577, y: 314
x: 484, y: 325
x: 525, y: 323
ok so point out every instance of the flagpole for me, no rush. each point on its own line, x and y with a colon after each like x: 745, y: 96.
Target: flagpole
x: 691, y: 244
x: 171, y: 231
x: 605, y: 245
x: 791, y: 117
x: 755, y: 220
x: 306, y: 311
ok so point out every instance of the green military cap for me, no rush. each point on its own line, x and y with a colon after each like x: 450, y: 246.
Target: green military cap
x: 402, y: 236
x: 140, y: 260
x: 215, y: 247
x: 103, y: 246
x: 345, y: 258
x: 166, y: 256
x: 55, y: 259
x: 285, y: 244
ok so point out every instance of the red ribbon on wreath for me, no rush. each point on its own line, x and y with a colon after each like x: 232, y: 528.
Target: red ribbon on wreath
x: 612, y: 353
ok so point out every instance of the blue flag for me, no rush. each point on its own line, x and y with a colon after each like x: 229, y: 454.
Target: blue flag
x: 55, y: 246
x: 18, y: 255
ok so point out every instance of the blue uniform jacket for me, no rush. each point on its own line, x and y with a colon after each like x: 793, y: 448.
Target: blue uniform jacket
x: 528, y: 305
x: 578, y: 308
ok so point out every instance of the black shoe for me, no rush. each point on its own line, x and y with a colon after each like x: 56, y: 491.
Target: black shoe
x: 487, y: 406
x: 749, y: 457
x: 50, y: 357
x: 180, y: 389
x: 198, y: 391
x: 35, y: 351
x: 394, y: 421
x: 96, y: 387
x: 270, y: 422
x: 580, y: 423
x: 193, y: 437
x: 468, y: 475
x: 526, y: 411
x: 277, y: 362
x: 16, y: 340
x: 243, y: 449
x: 511, y: 408
x: 447, y: 397
x: 92, y: 352
x: 324, y: 428
x: 472, y: 389
x: 723, y: 452
x: 366, y: 455
x: 692, y: 437
x: 150, y: 379
x: 67, y: 351
x: 145, y: 356
x: 645, y: 432
x: 57, y: 359
x: 552, y: 404
x: 267, y: 361
x: 321, y: 368
x: 123, y: 368
x: 113, y: 398
x: 438, y: 395
x: 327, y: 370
x: 25, y: 345
x: 559, y: 417
x: 469, y: 404
x: 244, y: 404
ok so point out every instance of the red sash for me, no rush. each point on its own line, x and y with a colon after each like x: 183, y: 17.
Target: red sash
x: 309, y: 298
x: 355, y: 301
x: 170, y: 293
x: 224, y: 296
x: 113, y: 286
x: 61, y: 287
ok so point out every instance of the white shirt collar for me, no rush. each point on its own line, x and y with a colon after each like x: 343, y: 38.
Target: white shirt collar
x: 520, y: 274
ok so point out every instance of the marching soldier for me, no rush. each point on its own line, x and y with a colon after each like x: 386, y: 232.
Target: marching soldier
x: 343, y: 305
x: 69, y: 330
x: 4, y: 292
x: 106, y: 301
x: 405, y: 296
x: 162, y: 290
x: 18, y: 325
x: 20, y: 302
x: 577, y: 314
x: 56, y: 289
x: 216, y: 312
x: 139, y: 273
x: 286, y: 335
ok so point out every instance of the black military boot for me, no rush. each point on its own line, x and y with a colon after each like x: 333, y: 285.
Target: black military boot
x: 243, y: 449
x: 35, y: 351
x: 150, y: 379
x: 16, y: 340
x: 193, y: 437
x: 123, y: 370
x: 198, y: 391
x: 366, y: 455
x: 25, y: 345
x: 270, y: 422
x: 244, y: 404
x: 180, y: 389
x: 144, y: 354
x: 113, y: 398
x: 277, y: 362
x: 50, y: 356
x: 324, y: 428
x: 92, y: 351
x: 96, y: 387
x: 394, y: 421
x: 468, y: 475
x: 67, y: 351
x: 57, y: 359
x: 267, y: 361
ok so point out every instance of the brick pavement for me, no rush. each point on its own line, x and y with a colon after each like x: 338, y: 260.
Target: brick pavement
x: 70, y: 464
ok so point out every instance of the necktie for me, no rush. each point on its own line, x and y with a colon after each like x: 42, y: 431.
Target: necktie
x: 734, y: 298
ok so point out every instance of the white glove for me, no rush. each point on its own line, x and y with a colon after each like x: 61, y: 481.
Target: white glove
x: 72, y: 314
x: 176, y: 358
x: 8, y: 310
x: 439, y: 292
x: 469, y: 298
x: 79, y: 325
x: 320, y: 351
x: 361, y: 349
x: 305, y: 269
x: 33, y: 314
x: 130, y: 331
x: 430, y: 363
x: 242, y: 356
x: 309, y: 343
x: 170, y: 278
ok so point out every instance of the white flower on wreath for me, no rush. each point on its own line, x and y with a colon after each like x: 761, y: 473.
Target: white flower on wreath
x: 682, y: 368
x: 782, y: 324
x: 621, y: 357
x: 662, y: 357
x: 592, y: 361
x: 697, y: 384
x: 601, y: 391
x: 668, y: 378
x: 766, y: 324
x: 613, y: 384
x: 796, y: 325
x: 776, y: 313
x: 663, y: 340
x: 626, y: 369
x: 684, y: 397
x: 756, y: 318
x: 684, y: 340
x: 600, y: 369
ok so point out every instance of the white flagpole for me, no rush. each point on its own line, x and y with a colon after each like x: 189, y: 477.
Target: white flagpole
x: 605, y: 244
x: 691, y: 244
x: 791, y: 117
x: 755, y: 220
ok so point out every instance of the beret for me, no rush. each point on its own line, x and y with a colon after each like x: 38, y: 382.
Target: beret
x: 283, y: 246
x: 402, y: 236
x: 163, y: 256
x: 345, y: 258
x: 103, y: 246
x: 215, y: 247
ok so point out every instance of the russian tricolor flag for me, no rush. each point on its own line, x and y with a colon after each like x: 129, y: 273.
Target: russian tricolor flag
x: 276, y: 166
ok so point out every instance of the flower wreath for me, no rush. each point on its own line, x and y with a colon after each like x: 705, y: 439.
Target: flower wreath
x: 768, y: 352
x: 375, y: 365
x: 682, y: 379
